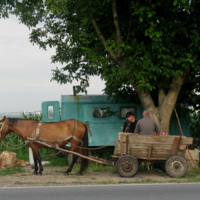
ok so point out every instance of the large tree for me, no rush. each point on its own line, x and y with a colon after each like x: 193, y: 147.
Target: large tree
x: 145, y: 47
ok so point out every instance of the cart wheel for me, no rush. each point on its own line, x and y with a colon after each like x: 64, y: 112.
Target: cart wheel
x: 176, y: 166
x: 127, y: 166
x: 162, y: 167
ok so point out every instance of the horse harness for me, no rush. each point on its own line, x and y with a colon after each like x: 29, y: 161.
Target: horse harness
x: 2, y: 125
x: 38, y: 138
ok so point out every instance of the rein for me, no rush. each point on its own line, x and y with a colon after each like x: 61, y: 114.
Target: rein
x: 9, y: 145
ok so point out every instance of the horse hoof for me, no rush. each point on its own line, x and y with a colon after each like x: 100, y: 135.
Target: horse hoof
x: 35, y: 173
x: 40, y: 173
x: 66, y: 174
x: 79, y: 174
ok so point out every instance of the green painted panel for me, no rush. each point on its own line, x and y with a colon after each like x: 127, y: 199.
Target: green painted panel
x: 103, y: 134
x: 50, y: 111
x: 104, y: 130
x: 70, y: 111
x: 85, y: 98
x: 185, y: 125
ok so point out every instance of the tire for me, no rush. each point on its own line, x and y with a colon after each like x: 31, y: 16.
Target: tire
x: 176, y: 166
x: 162, y: 167
x: 127, y: 166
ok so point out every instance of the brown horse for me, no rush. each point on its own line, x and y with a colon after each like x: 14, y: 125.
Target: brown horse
x: 57, y: 133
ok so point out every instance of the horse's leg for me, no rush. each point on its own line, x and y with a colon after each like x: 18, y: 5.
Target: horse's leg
x: 37, y: 159
x: 74, y: 148
x: 35, y: 162
x: 84, y: 151
x: 82, y: 160
x: 40, y: 163
x: 71, y: 165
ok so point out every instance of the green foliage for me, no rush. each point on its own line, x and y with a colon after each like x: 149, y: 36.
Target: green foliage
x: 104, y: 154
x: 195, y: 127
x: 15, y: 142
x: 32, y: 116
x: 57, y: 161
x: 155, y: 43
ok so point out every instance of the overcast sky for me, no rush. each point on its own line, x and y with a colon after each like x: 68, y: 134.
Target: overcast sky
x: 25, y: 71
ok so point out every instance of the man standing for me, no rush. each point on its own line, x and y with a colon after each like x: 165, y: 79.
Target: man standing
x: 130, y: 123
x: 147, y: 126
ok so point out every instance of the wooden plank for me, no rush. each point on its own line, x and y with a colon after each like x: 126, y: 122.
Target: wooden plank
x: 175, y: 146
x: 154, y: 152
x: 115, y: 156
x: 72, y: 152
x: 123, y: 138
x: 149, y: 153
x: 162, y: 147
x: 117, y: 148
x: 123, y: 149
x: 150, y: 139
x: 145, y: 158
x: 127, y: 140
x: 128, y: 149
x: 136, y: 153
x: 146, y: 146
x: 186, y: 140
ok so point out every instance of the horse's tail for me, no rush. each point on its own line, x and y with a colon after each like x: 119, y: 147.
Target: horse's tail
x: 85, y: 151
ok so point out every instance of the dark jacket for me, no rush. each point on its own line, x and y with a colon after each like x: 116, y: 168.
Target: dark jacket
x: 131, y: 126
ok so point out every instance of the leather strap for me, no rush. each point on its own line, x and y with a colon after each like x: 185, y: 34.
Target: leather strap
x: 74, y: 127
x: 38, y: 130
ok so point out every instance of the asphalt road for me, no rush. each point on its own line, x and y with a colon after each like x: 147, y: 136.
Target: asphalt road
x: 105, y: 192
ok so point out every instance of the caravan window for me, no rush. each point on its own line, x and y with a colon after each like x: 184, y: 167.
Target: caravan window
x: 99, y: 112
x: 50, y: 112
x: 124, y: 110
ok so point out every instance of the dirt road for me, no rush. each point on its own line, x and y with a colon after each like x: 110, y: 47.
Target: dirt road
x: 53, y: 176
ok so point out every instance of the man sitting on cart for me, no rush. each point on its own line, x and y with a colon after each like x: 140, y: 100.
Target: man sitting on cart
x: 147, y: 126
x: 130, y: 123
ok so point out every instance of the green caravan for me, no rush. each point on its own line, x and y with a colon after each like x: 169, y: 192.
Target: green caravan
x: 91, y: 109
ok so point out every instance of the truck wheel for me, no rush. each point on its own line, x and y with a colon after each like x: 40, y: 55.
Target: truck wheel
x: 127, y: 166
x: 176, y: 166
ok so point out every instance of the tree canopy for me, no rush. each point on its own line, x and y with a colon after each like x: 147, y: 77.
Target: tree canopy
x: 142, y: 48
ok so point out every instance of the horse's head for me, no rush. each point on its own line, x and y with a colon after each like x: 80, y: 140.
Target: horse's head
x: 3, y: 128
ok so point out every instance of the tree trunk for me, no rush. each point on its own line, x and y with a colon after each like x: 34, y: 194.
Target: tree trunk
x: 167, y: 101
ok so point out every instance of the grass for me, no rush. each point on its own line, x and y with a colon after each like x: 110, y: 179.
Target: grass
x: 139, y: 181
x: 57, y: 161
x: 92, y: 183
x: 192, y: 175
x: 93, y: 167
x: 11, y: 171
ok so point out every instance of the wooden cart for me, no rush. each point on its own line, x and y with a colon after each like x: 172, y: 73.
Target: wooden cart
x: 166, y: 150
x: 132, y: 149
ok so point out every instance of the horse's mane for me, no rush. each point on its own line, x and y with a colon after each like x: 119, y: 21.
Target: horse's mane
x: 13, y: 120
